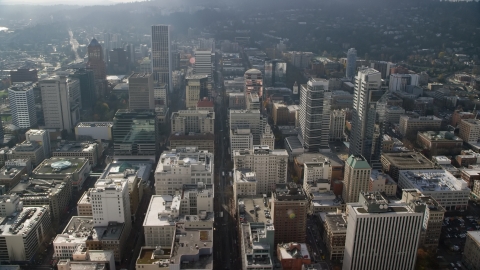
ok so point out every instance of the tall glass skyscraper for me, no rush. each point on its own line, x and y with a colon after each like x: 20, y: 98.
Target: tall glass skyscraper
x: 351, y: 63
x: 161, y: 55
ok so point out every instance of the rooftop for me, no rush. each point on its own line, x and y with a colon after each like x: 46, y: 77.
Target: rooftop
x: 152, y: 255
x: 162, y: 210
x: 378, y: 175
x: 336, y: 222
x: 433, y: 180
x: 254, y: 210
x: 79, y: 229
x: 319, y: 157
x: 197, y: 160
x: 193, y: 137
x: 127, y: 170
x: 440, y: 136
x: 195, y: 77
x: 21, y: 221
x: 193, y: 242
x: 358, y: 162
x: 35, y: 189
x: 9, y: 172
x: 289, y: 192
x: 60, y: 165
x: 408, y: 160
x: 95, y: 124
x: 76, y: 146
x: 244, y: 175
x: 294, y: 251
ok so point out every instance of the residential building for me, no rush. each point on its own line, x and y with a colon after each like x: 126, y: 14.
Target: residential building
x: 42, y: 137
x: 433, y: 214
x: 22, y: 105
x: 181, y: 166
x: 195, y: 90
x: 54, y: 193
x: 140, y: 92
x: 60, y: 167
x: 27, y: 149
x: 94, y: 131
x: 411, y: 124
x: 337, y: 125
x: 293, y: 256
x: 314, y: 114
x: 58, y: 111
x: 471, y: 251
x: 469, y: 130
x: 382, y: 182
x: 196, y: 121
x: 205, y: 141
x: 448, y: 191
x: 90, y: 150
x: 289, y: 213
x: 364, y: 115
x: 392, y: 163
x: 24, y: 231
x: 334, y: 235
x: 270, y: 166
x: 162, y: 55
x: 357, y: 177
x: 134, y: 134
x: 440, y: 142
x: 351, y: 68
x: 376, y: 228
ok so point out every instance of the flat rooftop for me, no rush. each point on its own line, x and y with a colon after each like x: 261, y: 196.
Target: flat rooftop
x: 244, y: 176
x: 147, y: 256
x: 127, y: 170
x: 95, y: 124
x: 193, y: 242
x: 9, y: 172
x: 409, y: 160
x: 334, y: 160
x: 80, y: 147
x: 161, y: 210
x: 294, y: 250
x: 34, y: 189
x: 79, y: 229
x: 197, y: 160
x: 433, y: 180
x: 336, y: 222
x: 22, y: 221
x: 255, y: 210
x: 61, y: 165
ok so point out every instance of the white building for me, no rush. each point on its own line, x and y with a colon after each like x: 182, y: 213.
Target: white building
x: 42, y: 137
x: 94, y: 130
x: 196, y: 121
x: 376, y: 230
x: 469, y: 130
x: 382, y: 182
x: 22, y: 105
x: 182, y: 166
x: 314, y: 114
x: 58, y: 111
x: 270, y: 166
x: 251, y: 119
x: 240, y: 139
x: 159, y: 223
x: 450, y: 192
x: 268, y: 138
x: 399, y: 82
x: 244, y: 183
x: 162, y: 55
x: 337, y: 125
x: 24, y: 229
x: 110, y: 203
x: 313, y: 171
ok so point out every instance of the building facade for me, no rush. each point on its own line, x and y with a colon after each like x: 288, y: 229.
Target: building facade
x: 22, y: 105
x: 162, y: 55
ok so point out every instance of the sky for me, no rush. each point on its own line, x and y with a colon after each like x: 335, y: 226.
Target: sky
x: 71, y: 2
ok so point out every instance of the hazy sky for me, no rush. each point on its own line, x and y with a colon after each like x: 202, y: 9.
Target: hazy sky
x: 72, y: 2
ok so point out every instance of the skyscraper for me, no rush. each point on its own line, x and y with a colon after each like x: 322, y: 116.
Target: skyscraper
x: 203, y: 63
x: 351, y: 63
x: 161, y: 55
x: 381, y: 235
x: 364, y: 116
x: 275, y: 73
x: 356, y: 179
x: 314, y: 114
x: 195, y: 90
x: 140, y: 92
x: 97, y: 63
x: 87, y: 87
x: 22, y: 105
x: 57, y: 108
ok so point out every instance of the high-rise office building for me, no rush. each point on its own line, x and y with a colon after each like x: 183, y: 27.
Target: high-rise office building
x: 275, y: 73
x: 110, y: 202
x: 203, y: 63
x: 196, y: 89
x: 337, y: 125
x: 161, y: 55
x: 381, y: 235
x: 140, y: 92
x: 134, y: 133
x: 253, y: 82
x: 118, y: 61
x: 42, y: 137
x: 351, y: 64
x: 314, y: 114
x: 356, y: 179
x: 22, y: 105
x: 97, y: 63
x: 364, y: 116
x: 87, y: 87
x: 58, y: 110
